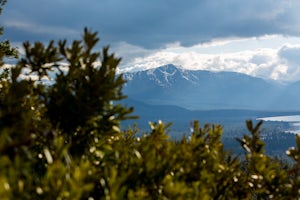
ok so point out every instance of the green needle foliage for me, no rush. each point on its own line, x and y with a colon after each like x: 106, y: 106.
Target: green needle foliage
x: 6, y: 50
x: 62, y: 140
x: 47, y: 131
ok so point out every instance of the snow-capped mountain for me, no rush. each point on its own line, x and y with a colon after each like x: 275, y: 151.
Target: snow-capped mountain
x: 198, y: 89
x: 164, y: 76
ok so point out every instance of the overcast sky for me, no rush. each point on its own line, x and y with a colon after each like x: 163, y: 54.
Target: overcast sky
x: 256, y: 37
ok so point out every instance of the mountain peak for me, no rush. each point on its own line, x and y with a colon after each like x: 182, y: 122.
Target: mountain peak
x: 200, y: 89
x: 169, y: 67
x: 165, y: 69
x: 165, y: 76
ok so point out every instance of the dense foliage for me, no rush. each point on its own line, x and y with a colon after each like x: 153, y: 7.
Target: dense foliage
x: 5, y: 49
x: 62, y: 140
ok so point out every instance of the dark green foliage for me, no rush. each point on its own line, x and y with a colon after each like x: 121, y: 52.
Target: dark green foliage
x: 63, y: 140
x: 47, y: 131
x: 5, y: 49
x: 264, y: 175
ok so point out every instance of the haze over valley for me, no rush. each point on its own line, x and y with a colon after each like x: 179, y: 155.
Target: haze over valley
x: 221, y: 62
x: 173, y: 94
x: 206, y: 90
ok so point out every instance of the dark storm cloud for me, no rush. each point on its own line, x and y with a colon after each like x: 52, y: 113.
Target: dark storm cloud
x: 152, y: 23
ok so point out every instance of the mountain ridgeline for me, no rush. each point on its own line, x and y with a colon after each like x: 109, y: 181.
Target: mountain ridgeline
x: 206, y: 90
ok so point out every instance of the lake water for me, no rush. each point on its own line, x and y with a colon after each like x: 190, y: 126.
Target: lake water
x: 294, y: 121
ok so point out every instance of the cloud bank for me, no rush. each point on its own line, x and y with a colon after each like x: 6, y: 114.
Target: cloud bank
x: 257, y: 37
x: 270, y: 57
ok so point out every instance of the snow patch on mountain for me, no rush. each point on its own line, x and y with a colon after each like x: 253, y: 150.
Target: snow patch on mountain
x: 201, y: 89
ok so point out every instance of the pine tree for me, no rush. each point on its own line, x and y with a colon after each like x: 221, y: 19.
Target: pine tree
x: 60, y: 138
x: 47, y: 131
x: 5, y: 48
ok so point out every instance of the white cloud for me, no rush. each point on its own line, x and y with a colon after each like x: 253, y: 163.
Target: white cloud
x: 291, y: 54
x: 271, y: 57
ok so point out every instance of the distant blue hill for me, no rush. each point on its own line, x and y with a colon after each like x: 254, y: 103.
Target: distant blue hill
x: 206, y: 90
x: 182, y: 118
x: 172, y: 94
